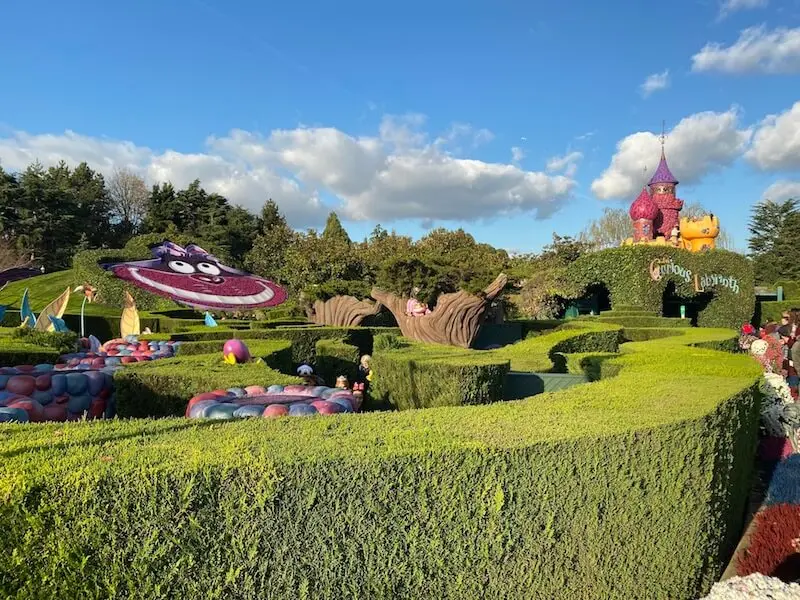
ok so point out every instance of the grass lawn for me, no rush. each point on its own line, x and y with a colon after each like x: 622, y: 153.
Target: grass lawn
x: 43, y: 289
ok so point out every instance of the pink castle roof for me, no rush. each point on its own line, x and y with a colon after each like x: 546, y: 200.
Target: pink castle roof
x: 643, y: 207
x: 663, y: 174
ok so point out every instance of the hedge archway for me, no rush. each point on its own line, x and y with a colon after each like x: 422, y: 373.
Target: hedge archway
x: 637, y: 276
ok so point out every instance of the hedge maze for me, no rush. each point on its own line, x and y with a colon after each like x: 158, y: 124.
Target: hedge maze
x: 632, y: 486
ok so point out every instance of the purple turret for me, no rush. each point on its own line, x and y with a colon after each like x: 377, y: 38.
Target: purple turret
x: 663, y: 174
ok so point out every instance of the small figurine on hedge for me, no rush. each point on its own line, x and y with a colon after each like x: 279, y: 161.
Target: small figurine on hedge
x: 342, y: 382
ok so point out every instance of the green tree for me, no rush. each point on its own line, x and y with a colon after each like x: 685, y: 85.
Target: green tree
x: 766, y: 222
x: 608, y: 230
x: 334, y: 233
x: 380, y: 246
x: 268, y: 254
x: 542, y: 278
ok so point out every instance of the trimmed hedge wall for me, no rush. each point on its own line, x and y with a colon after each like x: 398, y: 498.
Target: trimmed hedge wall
x: 28, y: 347
x: 334, y: 358
x: 426, y: 375
x: 304, y: 339
x: 771, y: 311
x: 162, y: 388
x: 627, y: 488
x: 625, y: 272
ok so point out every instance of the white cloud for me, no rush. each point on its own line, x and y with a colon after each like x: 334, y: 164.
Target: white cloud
x: 782, y: 190
x: 776, y: 143
x: 396, y: 174
x: 654, y: 83
x: 567, y: 163
x: 697, y: 145
x: 517, y: 154
x: 757, y: 50
x: 730, y: 6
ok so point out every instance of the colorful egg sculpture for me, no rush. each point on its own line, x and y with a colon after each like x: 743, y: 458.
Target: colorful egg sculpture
x: 235, y: 351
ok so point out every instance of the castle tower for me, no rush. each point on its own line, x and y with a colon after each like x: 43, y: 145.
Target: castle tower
x: 662, y: 189
x: 643, y: 213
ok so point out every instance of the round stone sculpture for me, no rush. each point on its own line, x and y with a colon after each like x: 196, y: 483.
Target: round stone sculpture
x: 275, y: 401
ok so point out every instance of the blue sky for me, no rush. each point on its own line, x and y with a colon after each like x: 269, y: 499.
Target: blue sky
x: 135, y: 80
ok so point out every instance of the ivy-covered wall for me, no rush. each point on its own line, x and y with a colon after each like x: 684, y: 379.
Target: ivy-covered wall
x: 626, y: 272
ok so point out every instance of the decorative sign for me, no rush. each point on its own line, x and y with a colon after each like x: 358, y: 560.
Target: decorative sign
x: 665, y: 267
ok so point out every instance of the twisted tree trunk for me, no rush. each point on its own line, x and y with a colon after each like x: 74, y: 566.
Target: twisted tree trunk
x: 342, y: 311
x: 456, y: 320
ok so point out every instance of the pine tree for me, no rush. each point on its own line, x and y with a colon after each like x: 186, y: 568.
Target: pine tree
x: 334, y: 233
x: 268, y: 255
x: 766, y: 223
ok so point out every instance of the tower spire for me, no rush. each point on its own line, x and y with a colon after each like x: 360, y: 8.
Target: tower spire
x: 663, y: 136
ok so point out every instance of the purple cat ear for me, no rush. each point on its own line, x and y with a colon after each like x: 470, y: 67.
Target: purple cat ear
x: 167, y: 248
x: 195, y: 249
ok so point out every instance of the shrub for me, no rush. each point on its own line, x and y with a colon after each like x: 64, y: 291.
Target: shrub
x: 428, y: 375
x: 625, y: 272
x: 467, y: 502
x: 386, y: 341
x: 60, y: 342
x: 410, y: 375
x: 334, y: 358
x: 162, y: 388
x: 767, y: 312
x: 643, y: 334
x: 640, y: 321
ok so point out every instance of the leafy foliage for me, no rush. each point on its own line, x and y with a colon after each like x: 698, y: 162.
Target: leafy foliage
x: 626, y: 273
x: 268, y: 255
x: 773, y: 240
x: 544, y: 277
x: 62, y: 342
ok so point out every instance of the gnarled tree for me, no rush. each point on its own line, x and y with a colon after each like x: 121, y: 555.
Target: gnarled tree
x: 455, y: 321
x: 342, y: 311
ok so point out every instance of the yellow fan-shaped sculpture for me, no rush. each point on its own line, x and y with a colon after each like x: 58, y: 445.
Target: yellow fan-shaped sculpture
x: 56, y: 309
x: 129, y: 323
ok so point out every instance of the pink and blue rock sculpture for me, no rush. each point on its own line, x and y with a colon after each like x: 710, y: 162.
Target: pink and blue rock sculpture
x: 274, y: 401
x: 43, y: 393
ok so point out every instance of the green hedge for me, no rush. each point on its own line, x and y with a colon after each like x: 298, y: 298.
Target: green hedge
x: 642, y: 321
x: 334, y: 358
x: 28, y: 347
x: 791, y: 289
x: 304, y: 339
x: 428, y: 375
x: 625, y: 272
x: 770, y: 312
x: 162, y: 388
x: 425, y: 375
x: 627, y: 488
x: 643, y: 334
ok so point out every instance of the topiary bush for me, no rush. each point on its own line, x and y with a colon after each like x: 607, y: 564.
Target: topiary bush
x: 626, y: 272
x: 60, y: 342
x: 428, y: 375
